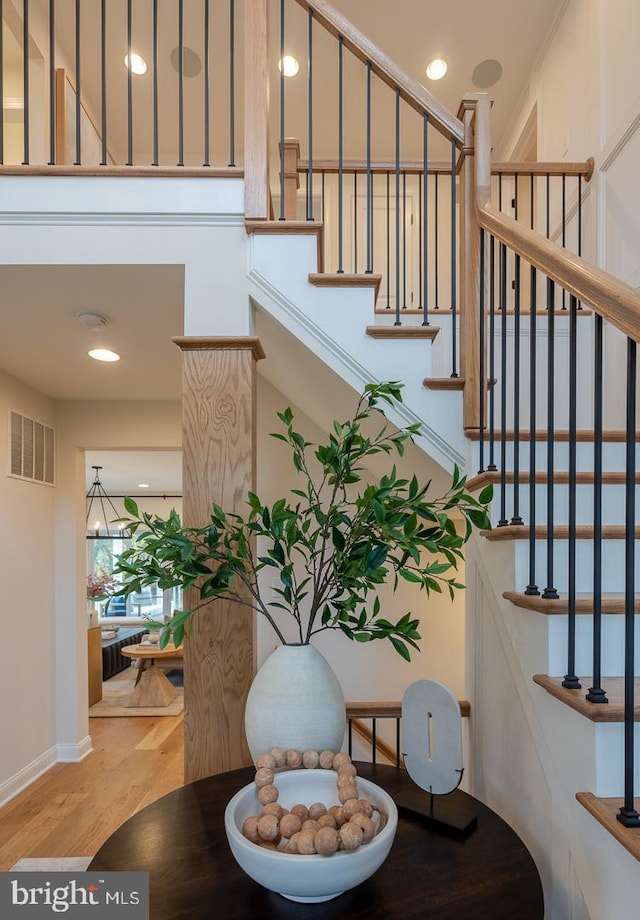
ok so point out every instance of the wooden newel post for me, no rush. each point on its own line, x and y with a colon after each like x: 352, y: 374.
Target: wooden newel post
x: 257, y: 198
x: 473, y: 185
x: 218, y: 442
x: 291, y: 178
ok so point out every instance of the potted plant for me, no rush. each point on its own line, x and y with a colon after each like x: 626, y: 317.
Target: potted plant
x: 330, y: 544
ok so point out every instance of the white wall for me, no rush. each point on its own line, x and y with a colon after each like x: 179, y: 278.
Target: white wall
x: 587, y: 91
x: 27, y: 678
x: 375, y: 670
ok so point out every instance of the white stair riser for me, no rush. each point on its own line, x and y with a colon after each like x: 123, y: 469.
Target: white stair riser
x: 613, y: 455
x: 613, y: 503
x: 612, y: 657
x: 613, y: 565
x: 609, y: 753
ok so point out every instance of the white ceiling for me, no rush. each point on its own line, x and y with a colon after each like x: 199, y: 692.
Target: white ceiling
x: 41, y: 342
x: 123, y: 470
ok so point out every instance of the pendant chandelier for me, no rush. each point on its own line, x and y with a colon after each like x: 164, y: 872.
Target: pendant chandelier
x: 101, y: 513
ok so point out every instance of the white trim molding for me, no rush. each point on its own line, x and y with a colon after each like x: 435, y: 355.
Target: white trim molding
x: 24, y: 777
x: 72, y: 753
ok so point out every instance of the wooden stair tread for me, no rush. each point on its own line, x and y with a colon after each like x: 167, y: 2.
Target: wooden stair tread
x: 560, y: 477
x: 611, y: 603
x: 449, y: 383
x: 613, y: 711
x: 346, y: 279
x: 403, y: 332
x: 301, y: 227
x: 561, y: 434
x: 560, y: 532
x: 605, y: 810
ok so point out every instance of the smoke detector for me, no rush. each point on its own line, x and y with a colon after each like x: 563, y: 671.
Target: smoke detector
x: 94, y: 322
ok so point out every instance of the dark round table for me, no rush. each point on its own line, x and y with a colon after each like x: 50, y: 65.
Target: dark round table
x: 180, y: 840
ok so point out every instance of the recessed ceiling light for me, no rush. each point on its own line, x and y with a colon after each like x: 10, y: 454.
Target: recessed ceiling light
x: 288, y: 66
x: 138, y: 63
x: 143, y: 485
x: 103, y: 354
x: 436, y: 69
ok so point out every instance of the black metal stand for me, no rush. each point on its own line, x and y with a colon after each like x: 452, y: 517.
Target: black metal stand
x: 447, y: 814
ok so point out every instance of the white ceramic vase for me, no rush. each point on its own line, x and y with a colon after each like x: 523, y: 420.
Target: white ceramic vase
x: 295, y: 701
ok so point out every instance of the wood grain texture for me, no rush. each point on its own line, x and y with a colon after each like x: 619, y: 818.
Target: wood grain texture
x: 94, y: 664
x: 385, y: 68
x: 378, y: 709
x: 291, y: 178
x: 220, y: 343
x: 560, y: 532
x: 346, y: 279
x: 560, y: 477
x: 470, y: 343
x: 131, y: 172
x: 605, y: 810
x: 610, y: 603
x: 74, y: 807
x: 218, y: 433
x: 613, y: 711
x: 257, y: 199
x: 403, y: 332
x: 61, y: 119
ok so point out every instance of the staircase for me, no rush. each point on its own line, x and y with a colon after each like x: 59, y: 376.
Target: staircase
x: 500, y: 348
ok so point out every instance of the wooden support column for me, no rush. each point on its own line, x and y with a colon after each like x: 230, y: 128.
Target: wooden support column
x: 291, y: 178
x: 257, y: 197
x: 218, y: 443
x: 474, y: 166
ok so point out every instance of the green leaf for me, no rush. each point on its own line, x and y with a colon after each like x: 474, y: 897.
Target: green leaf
x: 131, y: 507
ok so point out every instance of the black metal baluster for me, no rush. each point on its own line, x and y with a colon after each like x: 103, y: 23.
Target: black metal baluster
x: 397, y: 322
x: 579, y: 223
x: 454, y: 270
x: 425, y: 213
x: 483, y: 386
x: 548, y: 212
x: 52, y: 82
x: 129, y: 90
x: 310, y: 116
x: 340, y: 151
x: 492, y: 369
x: 596, y: 693
x: 180, y: 83
x: 282, y: 103
x: 564, y: 228
x: 232, y: 83
x: 350, y: 737
x: 628, y: 814
x: 550, y: 592
x: 355, y: 221
x: 25, y: 79
x: 78, y: 160
x: 436, y: 267
x: 369, y: 268
x: 374, y: 743
x: 532, y: 587
x: 404, y: 240
x: 103, y: 79
x: 397, y: 742
x: 570, y: 679
x: 207, y: 151
x: 516, y: 519
x: 388, y: 244
x: 322, y: 190
x: 503, y: 386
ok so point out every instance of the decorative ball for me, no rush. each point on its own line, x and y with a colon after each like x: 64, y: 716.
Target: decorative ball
x: 279, y: 756
x: 290, y: 825
x: 266, y: 760
x: 325, y: 759
x: 327, y: 841
x: 264, y: 777
x: 267, y: 794
x: 351, y: 836
x: 269, y: 827
x: 294, y: 759
x: 317, y: 810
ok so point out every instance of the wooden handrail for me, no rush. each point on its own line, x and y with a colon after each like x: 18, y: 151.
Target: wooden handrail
x: 388, y: 710
x: 443, y: 167
x: 413, y: 92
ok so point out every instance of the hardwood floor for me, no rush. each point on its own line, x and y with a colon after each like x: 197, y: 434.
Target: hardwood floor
x: 72, y: 808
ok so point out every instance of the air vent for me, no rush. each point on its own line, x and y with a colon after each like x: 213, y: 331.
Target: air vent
x: 32, y: 449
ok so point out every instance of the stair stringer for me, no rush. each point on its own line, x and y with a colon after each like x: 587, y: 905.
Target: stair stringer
x: 324, y: 318
x: 524, y: 743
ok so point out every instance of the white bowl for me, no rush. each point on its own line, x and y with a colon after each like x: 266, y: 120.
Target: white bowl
x: 308, y: 878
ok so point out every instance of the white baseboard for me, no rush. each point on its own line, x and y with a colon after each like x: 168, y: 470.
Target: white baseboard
x: 23, y: 778
x: 71, y: 753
